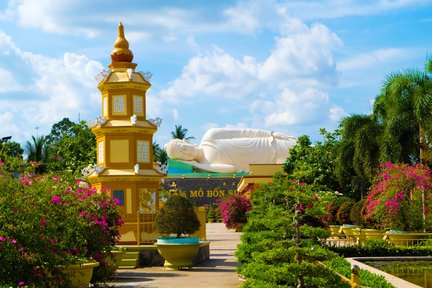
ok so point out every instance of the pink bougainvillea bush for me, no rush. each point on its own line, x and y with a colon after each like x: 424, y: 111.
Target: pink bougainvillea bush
x: 400, y: 196
x: 49, y: 221
x: 233, y: 210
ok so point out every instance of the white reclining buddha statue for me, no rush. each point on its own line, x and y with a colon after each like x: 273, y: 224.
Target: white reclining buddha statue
x: 227, y: 150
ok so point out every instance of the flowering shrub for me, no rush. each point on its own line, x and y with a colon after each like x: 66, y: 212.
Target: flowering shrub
x: 47, y: 222
x: 233, y: 210
x: 396, y: 197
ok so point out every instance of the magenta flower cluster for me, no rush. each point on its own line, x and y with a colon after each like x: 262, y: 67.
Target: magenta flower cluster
x: 233, y: 210
x: 399, y: 196
x: 51, y: 221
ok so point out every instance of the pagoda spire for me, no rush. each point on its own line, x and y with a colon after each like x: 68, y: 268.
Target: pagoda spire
x: 121, y: 52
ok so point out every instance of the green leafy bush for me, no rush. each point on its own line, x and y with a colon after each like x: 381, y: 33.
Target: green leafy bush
x: 381, y: 248
x: 333, y: 207
x: 282, y: 239
x: 356, y: 214
x: 177, y: 217
x: 343, y: 213
x: 367, y: 279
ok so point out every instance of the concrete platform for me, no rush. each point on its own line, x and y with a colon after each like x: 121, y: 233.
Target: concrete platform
x: 219, y: 271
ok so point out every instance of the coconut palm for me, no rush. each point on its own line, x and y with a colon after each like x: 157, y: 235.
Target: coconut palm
x: 159, y: 154
x: 359, y: 149
x: 180, y: 133
x: 404, y: 107
x: 37, y: 151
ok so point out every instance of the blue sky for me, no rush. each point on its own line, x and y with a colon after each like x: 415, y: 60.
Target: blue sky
x: 287, y: 66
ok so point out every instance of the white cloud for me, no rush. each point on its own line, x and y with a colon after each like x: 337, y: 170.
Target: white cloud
x: 336, y: 113
x: 372, y: 58
x: 60, y: 87
x: 286, y: 88
x: 216, y: 74
x: 8, y: 13
x: 296, y: 57
x: 291, y: 108
x: 8, y: 82
x: 54, y: 16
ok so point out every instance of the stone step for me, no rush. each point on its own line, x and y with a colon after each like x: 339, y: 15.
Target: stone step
x: 130, y: 260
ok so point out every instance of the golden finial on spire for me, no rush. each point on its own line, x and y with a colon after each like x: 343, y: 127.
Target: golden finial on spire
x: 121, y: 52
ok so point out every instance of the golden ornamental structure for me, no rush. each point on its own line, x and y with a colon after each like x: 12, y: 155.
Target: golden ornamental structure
x: 124, y: 140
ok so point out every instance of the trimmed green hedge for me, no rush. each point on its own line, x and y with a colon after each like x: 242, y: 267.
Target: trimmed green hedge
x: 368, y: 279
x: 377, y: 248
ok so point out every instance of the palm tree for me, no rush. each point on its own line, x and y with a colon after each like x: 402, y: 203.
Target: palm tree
x: 159, y: 154
x: 359, y: 152
x: 37, y: 150
x: 180, y: 133
x: 404, y: 107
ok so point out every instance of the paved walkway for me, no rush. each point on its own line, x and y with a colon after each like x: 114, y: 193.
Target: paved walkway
x: 218, y: 272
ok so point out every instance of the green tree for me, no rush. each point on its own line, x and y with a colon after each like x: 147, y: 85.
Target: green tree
x: 12, y: 149
x: 314, y: 164
x: 72, y: 146
x: 180, y: 133
x: 404, y: 107
x: 177, y: 217
x: 282, y: 240
x: 359, y: 151
x: 159, y: 154
x: 37, y: 151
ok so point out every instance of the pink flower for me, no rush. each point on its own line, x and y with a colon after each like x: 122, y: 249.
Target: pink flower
x: 2, y: 239
x: 42, y: 222
x: 56, y: 199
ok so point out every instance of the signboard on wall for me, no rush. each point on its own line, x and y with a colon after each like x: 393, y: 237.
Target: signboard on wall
x: 203, y: 190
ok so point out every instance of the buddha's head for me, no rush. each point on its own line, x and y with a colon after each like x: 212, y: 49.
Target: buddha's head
x: 181, y: 150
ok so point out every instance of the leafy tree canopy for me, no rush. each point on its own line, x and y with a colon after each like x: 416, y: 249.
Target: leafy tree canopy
x: 72, y: 146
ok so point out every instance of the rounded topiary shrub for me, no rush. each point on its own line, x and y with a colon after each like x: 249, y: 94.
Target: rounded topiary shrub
x: 177, y: 217
x: 333, y: 208
x: 343, y: 214
x: 356, y: 216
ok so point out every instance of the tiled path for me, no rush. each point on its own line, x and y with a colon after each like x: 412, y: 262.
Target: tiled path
x: 218, y: 272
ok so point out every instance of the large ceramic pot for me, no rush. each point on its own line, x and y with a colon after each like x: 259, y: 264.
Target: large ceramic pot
x: 373, y: 234
x: 334, y: 230
x: 402, y: 238
x: 347, y: 229
x: 178, y: 252
x: 80, y: 275
x: 359, y: 235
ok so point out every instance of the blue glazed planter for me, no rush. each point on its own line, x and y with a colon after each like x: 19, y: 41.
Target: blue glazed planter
x: 181, y: 240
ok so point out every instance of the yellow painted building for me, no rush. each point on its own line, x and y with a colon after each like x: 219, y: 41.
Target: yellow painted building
x: 124, y: 145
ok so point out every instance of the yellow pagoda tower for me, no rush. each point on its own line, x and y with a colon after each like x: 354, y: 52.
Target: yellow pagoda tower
x: 124, y: 145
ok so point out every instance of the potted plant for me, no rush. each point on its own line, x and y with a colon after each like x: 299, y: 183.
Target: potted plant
x: 343, y: 215
x: 333, y: 206
x: 49, y: 223
x: 177, y: 220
